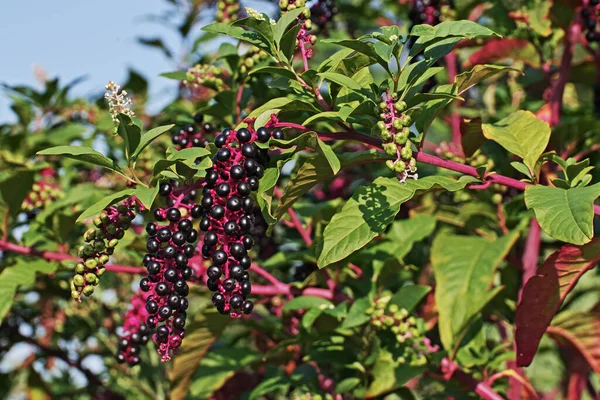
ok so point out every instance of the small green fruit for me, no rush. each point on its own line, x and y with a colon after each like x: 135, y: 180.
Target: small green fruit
x: 88, y: 290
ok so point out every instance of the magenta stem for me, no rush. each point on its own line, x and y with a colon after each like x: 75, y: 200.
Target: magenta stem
x: 51, y: 256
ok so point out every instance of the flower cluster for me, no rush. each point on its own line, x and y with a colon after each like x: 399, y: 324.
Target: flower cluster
x: 227, y: 11
x: 589, y: 14
x: 118, y: 102
x: 169, y: 249
x: 135, y: 331
x: 395, y: 133
x: 406, y: 333
x: 304, y: 39
x: 43, y: 192
x: 322, y: 13
x: 193, y: 135
x: 228, y: 215
x: 204, y: 76
x: 111, y: 225
x: 478, y: 159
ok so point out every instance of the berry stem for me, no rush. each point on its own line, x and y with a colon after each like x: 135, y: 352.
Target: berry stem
x: 304, y: 57
x: 262, y: 272
x: 51, y: 256
x: 558, y: 87
x: 304, y: 233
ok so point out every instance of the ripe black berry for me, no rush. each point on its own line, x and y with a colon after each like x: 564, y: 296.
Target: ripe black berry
x: 165, y: 189
x: 223, y: 190
x: 173, y: 215
x: 236, y: 302
x: 163, y: 235
x: 237, y: 172
x: 219, y: 257
x: 223, y: 154
x: 247, y: 307
x: 263, y: 134
x: 213, y: 272
x: 278, y: 134
x: 243, y: 135
x: 217, y: 212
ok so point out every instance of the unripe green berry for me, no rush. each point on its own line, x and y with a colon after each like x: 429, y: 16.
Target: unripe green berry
x: 400, y: 105
x: 88, y: 290
x: 497, y: 198
x: 381, y: 125
x: 308, y: 24
x: 393, y: 308
x: 91, y: 278
x: 103, y: 259
x: 389, y: 164
x: 78, y: 280
x: 98, y: 222
x: 74, y: 294
x: 111, y: 229
x: 402, y: 136
x: 113, y: 242
x: 88, y: 250
x: 386, y: 136
x: 101, y: 271
x: 376, y: 323
x: 390, y: 148
x: 91, y: 263
x: 389, y: 321
x: 407, y: 120
x: 400, y: 166
x: 122, y: 209
x: 383, y: 105
x: 99, y: 245
x: 79, y: 268
x: 99, y: 234
x: 406, y: 153
x: 397, y: 123
x: 394, y: 96
x: 89, y: 235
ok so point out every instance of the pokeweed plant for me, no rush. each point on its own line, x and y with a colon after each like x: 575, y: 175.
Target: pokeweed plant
x: 409, y: 186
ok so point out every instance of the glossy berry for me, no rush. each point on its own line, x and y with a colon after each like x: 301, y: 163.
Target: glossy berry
x: 243, y: 135
x: 263, y: 134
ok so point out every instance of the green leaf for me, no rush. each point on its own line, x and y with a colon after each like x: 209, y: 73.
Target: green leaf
x: 340, y: 79
x: 464, y: 268
x: 100, y: 205
x: 472, y: 136
x: 408, y: 297
x: 148, y: 137
x: 564, y: 214
x: 14, y: 187
x: 286, y: 73
x: 388, y: 375
x: 287, y: 46
x: 521, y: 133
x: 370, y: 210
x: 357, y: 315
x: 306, y: 303
x: 65, y: 134
x: 262, y: 26
x: 131, y: 134
x: 177, y: 75
x: 146, y: 195
x: 283, y: 23
x: 201, y: 333
x: 216, y: 368
x: 463, y: 28
x: 20, y: 274
x: 83, y: 154
x: 467, y: 80
x: 317, y: 169
x: 347, y: 385
x: 242, y: 34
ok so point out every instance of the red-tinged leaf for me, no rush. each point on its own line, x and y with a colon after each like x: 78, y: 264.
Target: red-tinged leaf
x: 544, y: 293
x: 581, y: 331
x: 501, y: 49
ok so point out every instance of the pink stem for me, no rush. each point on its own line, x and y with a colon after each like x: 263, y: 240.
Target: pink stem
x: 238, y: 104
x: 454, y: 116
x: 558, y: 89
x: 260, y: 271
x: 285, y: 290
x: 304, y: 58
x: 51, y: 256
x: 304, y: 233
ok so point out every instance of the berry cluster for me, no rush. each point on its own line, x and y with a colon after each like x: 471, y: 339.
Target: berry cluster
x: 228, y: 215
x: 135, y: 332
x: 395, y: 133
x: 227, y: 11
x: 322, y: 13
x: 205, y: 76
x: 431, y: 12
x: 478, y: 159
x: 191, y: 135
x: 111, y: 225
x: 42, y: 193
x: 169, y: 248
x: 402, y: 330
x: 589, y: 14
x: 304, y: 39
x: 249, y: 60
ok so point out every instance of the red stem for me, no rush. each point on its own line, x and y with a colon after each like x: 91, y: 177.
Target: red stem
x: 238, y: 104
x: 454, y: 116
x: 51, y: 256
x: 304, y: 233
x: 558, y: 89
x: 532, y: 251
x: 484, y: 390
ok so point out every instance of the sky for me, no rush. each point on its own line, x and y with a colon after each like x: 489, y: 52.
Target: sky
x: 71, y: 38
